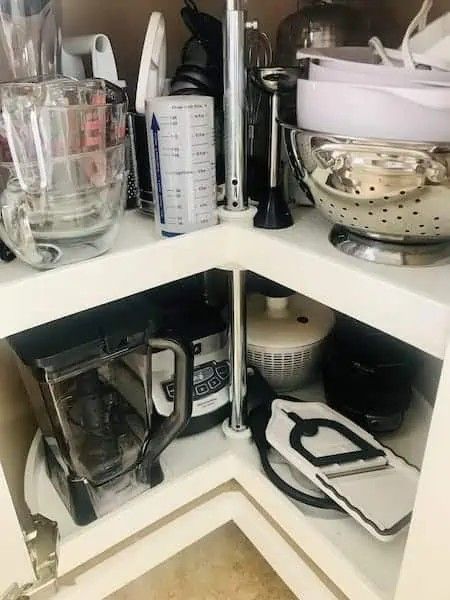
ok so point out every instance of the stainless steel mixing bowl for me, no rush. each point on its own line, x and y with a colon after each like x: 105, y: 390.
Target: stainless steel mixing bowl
x: 386, y: 198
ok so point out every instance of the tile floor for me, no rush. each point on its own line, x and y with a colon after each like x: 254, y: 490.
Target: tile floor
x: 222, y: 566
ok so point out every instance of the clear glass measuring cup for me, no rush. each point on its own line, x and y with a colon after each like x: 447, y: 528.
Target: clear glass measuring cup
x: 66, y: 187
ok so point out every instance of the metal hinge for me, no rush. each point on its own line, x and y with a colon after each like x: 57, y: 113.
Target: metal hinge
x: 42, y: 543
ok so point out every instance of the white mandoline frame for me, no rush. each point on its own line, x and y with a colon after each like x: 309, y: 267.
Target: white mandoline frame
x: 411, y: 304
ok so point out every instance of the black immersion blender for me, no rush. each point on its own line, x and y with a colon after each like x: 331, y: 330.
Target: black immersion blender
x: 273, y: 211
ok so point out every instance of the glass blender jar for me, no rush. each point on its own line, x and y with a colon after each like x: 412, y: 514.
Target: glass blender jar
x: 30, y: 47
x: 30, y: 36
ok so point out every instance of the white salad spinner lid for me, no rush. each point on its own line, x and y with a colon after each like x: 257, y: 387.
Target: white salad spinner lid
x: 291, y: 322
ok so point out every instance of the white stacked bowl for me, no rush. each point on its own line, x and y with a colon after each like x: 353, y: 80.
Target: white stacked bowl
x: 347, y: 95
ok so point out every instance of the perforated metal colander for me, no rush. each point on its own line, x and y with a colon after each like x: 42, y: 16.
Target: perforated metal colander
x: 389, y: 192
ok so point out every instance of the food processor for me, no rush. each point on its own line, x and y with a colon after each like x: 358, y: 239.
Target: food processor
x: 203, y: 326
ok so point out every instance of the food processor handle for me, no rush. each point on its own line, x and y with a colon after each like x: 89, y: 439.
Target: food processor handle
x: 182, y: 411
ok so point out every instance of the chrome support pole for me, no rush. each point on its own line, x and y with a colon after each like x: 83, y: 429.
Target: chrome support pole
x: 235, y: 84
x: 238, y: 350
x: 234, y: 105
x: 274, y: 141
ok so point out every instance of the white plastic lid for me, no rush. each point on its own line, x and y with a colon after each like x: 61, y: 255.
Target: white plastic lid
x: 153, y: 67
x: 99, y: 49
x: 281, y: 323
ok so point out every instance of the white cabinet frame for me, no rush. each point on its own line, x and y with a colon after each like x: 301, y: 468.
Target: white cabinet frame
x: 411, y: 304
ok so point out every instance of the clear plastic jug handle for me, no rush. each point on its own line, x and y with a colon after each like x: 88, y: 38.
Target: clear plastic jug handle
x: 15, y: 229
x: 417, y: 24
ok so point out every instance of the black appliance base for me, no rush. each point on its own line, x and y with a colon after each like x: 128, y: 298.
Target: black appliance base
x: 76, y: 492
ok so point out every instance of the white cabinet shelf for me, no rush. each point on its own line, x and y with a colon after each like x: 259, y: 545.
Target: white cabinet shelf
x: 357, y: 563
x: 412, y: 304
x: 139, y: 261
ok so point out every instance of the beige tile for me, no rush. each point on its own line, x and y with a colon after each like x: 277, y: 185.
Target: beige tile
x: 222, y: 566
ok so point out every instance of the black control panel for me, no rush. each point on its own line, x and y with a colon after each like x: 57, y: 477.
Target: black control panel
x: 209, y: 379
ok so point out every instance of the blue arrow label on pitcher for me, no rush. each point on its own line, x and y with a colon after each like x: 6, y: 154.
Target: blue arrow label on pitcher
x: 155, y: 130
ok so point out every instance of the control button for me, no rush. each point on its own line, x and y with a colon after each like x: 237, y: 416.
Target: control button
x: 208, y: 372
x: 201, y: 389
x: 223, y: 371
x: 203, y: 374
x: 170, y: 390
x: 214, y: 383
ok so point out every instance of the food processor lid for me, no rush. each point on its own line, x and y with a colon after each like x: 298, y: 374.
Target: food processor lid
x: 291, y: 322
x: 94, y: 333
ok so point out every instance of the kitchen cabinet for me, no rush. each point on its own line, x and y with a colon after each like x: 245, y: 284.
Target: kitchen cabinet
x: 212, y: 479
x: 318, y: 555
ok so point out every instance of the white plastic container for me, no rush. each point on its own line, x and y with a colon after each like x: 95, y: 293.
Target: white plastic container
x: 183, y: 162
x: 415, y: 114
x: 360, y: 62
x: 367, y: 74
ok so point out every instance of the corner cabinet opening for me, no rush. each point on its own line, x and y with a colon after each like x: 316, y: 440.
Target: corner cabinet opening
x: 359, y: 565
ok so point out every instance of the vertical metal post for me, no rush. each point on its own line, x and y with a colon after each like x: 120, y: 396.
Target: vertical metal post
x: 274, y: 141
x: 238, y: 349
x: 234, y: 105
x: 235, y: 83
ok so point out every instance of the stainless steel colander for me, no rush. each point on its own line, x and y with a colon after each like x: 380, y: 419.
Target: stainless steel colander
x: 397, y: 193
